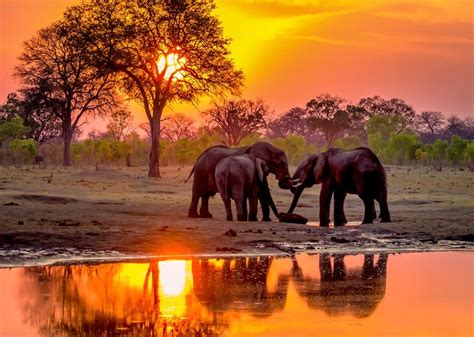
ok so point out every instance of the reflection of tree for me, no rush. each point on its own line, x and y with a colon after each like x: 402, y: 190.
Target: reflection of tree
x: 130, y: 299
x: 345, y: 292
x: 96, y: 301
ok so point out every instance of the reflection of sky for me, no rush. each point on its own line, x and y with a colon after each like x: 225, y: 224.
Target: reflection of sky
x: 426, y: 294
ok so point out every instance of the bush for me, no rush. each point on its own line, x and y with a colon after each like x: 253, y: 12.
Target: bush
x: 23, y: 150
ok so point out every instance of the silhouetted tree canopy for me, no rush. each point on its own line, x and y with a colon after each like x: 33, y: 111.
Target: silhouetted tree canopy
x: 161, y: 52
x: 378, y: 106
x: 234, y: 120
x: 58, y: 78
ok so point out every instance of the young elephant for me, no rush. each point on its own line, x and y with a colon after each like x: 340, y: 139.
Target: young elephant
x: 358, y: 171
x: 244, y: 177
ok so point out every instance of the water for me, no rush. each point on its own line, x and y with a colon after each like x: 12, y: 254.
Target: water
x: 417, y: 294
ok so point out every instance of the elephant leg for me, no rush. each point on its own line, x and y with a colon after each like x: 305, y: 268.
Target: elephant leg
x: 374, y: 212
x: 204, y: 210
x: 339, y: 216
x: 244, y: 208
x: 369, y: 206
x: 228, y: 209
x: 265, y: 210
x: 192, y: 212
x: 325, y: 197
x: 241, y: 206
x: 339, y: 273
x: 325, y: 268
x: 384, y: 212
x: 253, y: 208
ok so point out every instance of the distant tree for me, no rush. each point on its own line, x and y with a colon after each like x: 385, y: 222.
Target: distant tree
x: 293, y: 122
x: 234, y: 120
x: 456, y: 150
x: 58, y: 68
x: 120, y: 124
x: 395, y: 107
x: 12, y: 129
x: 161, y: 51
x: 459, y: 127
x: 178, y: 127
x: 431, y: 122
x: 331, y: 116
x: 437, y: 152
x: 11, y: 108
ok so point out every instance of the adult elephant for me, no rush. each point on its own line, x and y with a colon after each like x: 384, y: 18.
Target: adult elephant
x: 204, y: 183
x: 358, y: 171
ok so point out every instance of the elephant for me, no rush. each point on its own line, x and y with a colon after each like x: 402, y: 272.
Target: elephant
x: 244, y: 177
x: 358, y: 171
x: 204, y: 183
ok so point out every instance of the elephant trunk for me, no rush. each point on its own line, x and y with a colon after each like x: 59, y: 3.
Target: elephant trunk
x: 272, y: 205
x: 296, y: 198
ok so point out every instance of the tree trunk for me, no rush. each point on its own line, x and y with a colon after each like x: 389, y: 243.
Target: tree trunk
x: 154, y: 170
x: 67, y: 138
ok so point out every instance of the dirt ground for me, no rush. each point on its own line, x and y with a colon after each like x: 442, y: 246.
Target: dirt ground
x: 107, y: 212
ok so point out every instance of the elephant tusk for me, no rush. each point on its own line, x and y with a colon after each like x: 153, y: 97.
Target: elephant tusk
x: 297, y: 185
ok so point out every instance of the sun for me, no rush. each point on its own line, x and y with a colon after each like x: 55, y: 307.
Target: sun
x: 171, y: 64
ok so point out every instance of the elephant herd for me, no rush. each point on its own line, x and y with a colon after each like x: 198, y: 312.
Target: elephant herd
x: 240, y: 174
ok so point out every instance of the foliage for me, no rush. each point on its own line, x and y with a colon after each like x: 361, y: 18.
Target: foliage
x: 161, y: 51
x: 296, y: 148
x: 13, y: 128
x: 23, y: 150
x: 56, y: 70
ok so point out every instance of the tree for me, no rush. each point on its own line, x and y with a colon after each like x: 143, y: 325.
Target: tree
x: 178, y: 127
x: 395, y: 107
x: 234, y: 120
x: 462, y: 128
x: 293, y: 122
x: 56, y: 67
x: 120, y: 124
x: 431, y: 122
x: 161, y: 51
x: 328, y: 115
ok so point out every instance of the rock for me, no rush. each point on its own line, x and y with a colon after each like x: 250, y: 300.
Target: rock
x: 230, y: 232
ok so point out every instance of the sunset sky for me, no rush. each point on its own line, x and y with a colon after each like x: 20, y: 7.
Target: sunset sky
x: 290, y: 51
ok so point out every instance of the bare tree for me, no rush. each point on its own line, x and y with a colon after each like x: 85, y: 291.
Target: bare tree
x: 120, y: 124
x: 58, y: 69
x: 293, y: 122
x: 234, y: 120
x: 162, y: 51
x: 178, y: 126
x: 431, y: 122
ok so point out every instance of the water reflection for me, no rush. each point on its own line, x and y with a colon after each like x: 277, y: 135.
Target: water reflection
x: 207, y: 297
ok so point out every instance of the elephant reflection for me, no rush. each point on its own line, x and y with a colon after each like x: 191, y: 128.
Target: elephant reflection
x: 340, y: 291
x: 240, y: 284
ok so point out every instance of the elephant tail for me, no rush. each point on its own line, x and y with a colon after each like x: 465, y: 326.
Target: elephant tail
x: 192, y: 171
x: 226, y: 184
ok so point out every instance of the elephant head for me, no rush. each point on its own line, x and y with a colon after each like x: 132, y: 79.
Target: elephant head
x: 312, y: 170
x: 276, y: 161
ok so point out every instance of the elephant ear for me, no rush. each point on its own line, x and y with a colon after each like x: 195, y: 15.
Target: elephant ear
x: 320, y: 169
x: 262, y: 169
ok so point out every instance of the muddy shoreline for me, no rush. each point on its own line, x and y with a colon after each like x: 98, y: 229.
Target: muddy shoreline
x: 119, y: 212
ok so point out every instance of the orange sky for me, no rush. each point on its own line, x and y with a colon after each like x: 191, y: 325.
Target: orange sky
x: 421, y: 51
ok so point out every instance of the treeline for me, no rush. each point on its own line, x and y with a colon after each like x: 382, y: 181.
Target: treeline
x: 392, y: 128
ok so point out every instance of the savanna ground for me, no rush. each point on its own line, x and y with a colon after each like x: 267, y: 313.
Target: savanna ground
x: 109, y: 211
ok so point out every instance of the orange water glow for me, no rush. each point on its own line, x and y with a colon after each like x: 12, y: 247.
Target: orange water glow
x: 423, y: 294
